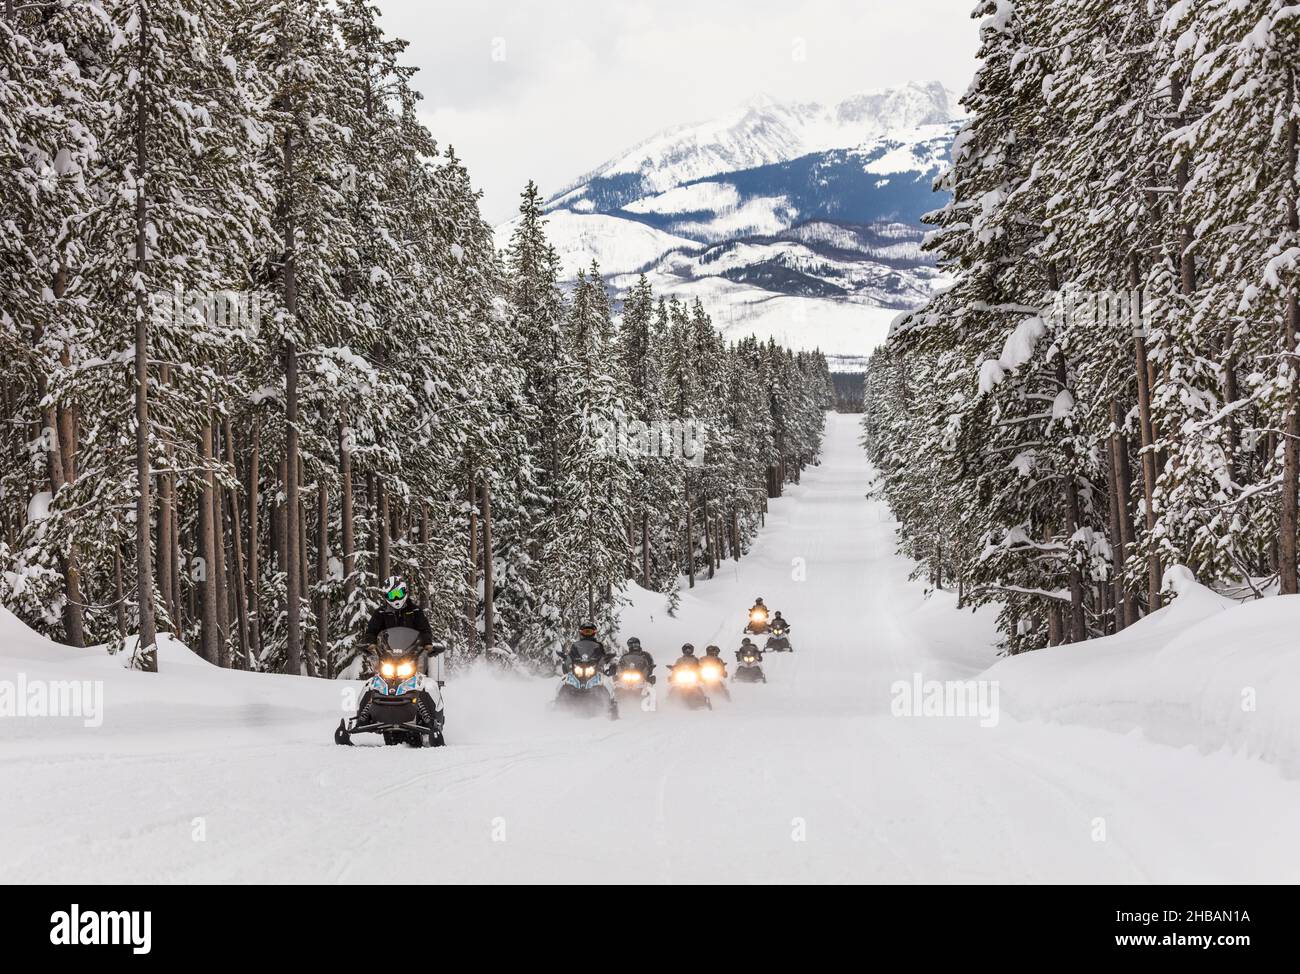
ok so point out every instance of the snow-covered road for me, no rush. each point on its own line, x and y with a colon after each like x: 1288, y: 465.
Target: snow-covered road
x: 199, y: 775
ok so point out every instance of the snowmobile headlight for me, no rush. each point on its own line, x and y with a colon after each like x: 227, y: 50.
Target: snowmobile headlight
x: 631, y: 676
x: 758, y: 615
x: 388, y: 669
x: 405, y: 668
x: 685, y: 676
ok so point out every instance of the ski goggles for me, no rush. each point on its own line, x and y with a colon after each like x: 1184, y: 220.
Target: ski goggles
x: 396, y: 594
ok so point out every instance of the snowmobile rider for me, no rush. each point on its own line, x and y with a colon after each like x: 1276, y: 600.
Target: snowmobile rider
x: 715, y: 652
x: 400, y: 611
x: 778, y: 622
x: 638, y: 658
x: 587, y: 646
x: 758, y: 616
x: 688, y: 659
x: 747, y: 645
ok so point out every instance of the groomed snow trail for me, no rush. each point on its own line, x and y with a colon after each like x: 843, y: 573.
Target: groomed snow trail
x: 205, y: 776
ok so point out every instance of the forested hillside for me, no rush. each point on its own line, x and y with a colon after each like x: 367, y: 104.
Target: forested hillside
x: 1109, y: 388
x: 260, y: 352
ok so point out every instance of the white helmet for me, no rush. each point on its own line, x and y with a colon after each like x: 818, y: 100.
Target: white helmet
x: 395, y: 592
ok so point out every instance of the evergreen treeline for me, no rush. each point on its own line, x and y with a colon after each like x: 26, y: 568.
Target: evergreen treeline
x: 260, y: 352
x: 1109, y: 388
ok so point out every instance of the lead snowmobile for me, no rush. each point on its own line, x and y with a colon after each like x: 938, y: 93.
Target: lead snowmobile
x: 583, y: 689
x: 400, y: 703
x: 757, y: 624
x: 749, y: 668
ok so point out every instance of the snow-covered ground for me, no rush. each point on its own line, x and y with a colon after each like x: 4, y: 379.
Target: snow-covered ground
x: 201, y: 775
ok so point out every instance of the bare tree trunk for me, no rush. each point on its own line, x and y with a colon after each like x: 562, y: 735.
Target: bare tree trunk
x: 645, y: 549
x: 304, y: 572
x: 1288, y: 521
x: 381, y: 531
x: 254, y: 540
x: 218, y: 569
x: 74, y: 612
x: 1078, y: 624
x: 166, y: 495
x: 166, y: 501
x: 119, y: 592
x: 147, y: 647
x: 293, y: 504
x: 211, y: 636
x: 1149, y: 469
x: 62, y: 472
x: 471, y: 601
x: 347, y: 519
x: 1123, y: 486
x: 708, y: 535
x: 237, y: 581
x: 323, y: 574
x: 181, y: 616
x: 1117, y: 547
x: 690, y: 531
x: 489, y: 574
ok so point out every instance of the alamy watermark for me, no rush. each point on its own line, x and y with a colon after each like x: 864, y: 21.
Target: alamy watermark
x: 53, y: 698
x: 180, y: 308
x: 75, y: 927
x: 1122, y: 310
x: 919, y: 697
x: 665, y: 439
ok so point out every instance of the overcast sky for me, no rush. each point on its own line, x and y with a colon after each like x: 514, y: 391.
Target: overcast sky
x: 550, y: 90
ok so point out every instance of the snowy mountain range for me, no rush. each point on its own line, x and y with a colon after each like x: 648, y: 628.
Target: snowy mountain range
x: 798, y: 221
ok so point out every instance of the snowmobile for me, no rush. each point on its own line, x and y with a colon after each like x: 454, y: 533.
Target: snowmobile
x: 686, y: 684
x: 778, y: 641
x: 757, y: 624
x: 631, y: 681
x: 397, y: 704
x: 713, y: 675
x: 583, y: 689
x: 749, y: 667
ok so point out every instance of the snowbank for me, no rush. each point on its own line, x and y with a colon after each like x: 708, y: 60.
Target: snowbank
x: 1204, y: 672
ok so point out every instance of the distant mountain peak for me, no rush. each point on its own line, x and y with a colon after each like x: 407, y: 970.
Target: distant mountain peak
x: 761, y: 131
x: 803, y: 217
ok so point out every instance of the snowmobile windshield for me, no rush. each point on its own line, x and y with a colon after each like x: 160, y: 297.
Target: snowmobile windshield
x: 398, y: 641
x: 585, y: 651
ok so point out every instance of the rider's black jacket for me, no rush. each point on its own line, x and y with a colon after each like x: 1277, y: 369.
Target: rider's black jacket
x: 409, y: 616
x: 640, y: 659
x: 584, y: 648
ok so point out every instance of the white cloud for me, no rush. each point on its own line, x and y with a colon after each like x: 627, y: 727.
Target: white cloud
x: 545, y: 90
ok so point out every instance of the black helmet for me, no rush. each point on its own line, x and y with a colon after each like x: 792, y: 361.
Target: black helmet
x: 688, y: 649
x: 776, y: 614
x: 633, y: 643
x: 395, y: 592
x: 587, y: 629
x: 746, y: 642
x: 712, y: 651
x: 759, y: 600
